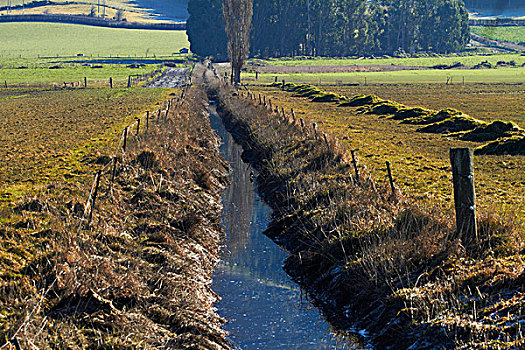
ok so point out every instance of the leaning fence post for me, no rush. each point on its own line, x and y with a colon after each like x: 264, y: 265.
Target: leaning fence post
x: 462, y: 161
x: 125, y: 132
x: 354, y: 161
x: 389, y: 171
x: 94, y: 197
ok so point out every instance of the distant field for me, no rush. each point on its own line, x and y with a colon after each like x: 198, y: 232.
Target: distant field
x: 500, y: 75
x: 45, y: 135
x: 413, y: 61
x: 511, y: 34
x: 421, y: 160
x: 41, y: 74
x: 29, y: 40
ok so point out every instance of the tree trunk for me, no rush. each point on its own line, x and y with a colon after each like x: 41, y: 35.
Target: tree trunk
x: 237, y: 74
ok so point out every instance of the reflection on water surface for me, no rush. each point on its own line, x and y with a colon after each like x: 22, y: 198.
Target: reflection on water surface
x: 263, y: 306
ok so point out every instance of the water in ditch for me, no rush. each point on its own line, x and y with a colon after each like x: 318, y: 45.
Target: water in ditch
x: 263, y: 307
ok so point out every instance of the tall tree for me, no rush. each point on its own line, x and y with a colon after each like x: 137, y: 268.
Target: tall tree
x: 238, y: 19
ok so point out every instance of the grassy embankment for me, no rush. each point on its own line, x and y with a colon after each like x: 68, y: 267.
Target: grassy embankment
x: 392, y: 263
x: 511, y: 34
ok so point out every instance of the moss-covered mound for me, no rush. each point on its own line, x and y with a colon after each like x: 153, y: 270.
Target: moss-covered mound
x: 361, y: 100
x: 327, y: 97
x: 412, y: 113
x: 385, y: 108
x: 453, y: 124
x: 444, y: 114
x: 512, y: 146
x: 493, y: 131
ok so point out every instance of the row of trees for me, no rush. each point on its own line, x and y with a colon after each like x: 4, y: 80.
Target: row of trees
x: 335, y: 27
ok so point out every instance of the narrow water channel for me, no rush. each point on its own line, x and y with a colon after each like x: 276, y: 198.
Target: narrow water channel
x: 263, y: 307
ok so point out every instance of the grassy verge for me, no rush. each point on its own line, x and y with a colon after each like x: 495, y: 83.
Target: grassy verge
x: 138, y: 276
x: 392, y: 264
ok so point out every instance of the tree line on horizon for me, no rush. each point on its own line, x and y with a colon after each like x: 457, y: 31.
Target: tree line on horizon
x: 334, y: 27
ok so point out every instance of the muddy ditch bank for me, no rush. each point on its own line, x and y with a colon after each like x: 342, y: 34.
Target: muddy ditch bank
x: 372, y: 260
x: 139, y: 277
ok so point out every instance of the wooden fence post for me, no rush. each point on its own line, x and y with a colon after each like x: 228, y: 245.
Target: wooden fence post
x: 260, y: 100
x: 125, y: 132
x: 85, y: 82
x: 5, y: 82
x: 325, y: 137
x: 138, y: 126
x: 111, y: 82
x: 462, y: 161
x: 94, y: 197
x: 389, y: 171
x: 113, y: 173
x: 354, y: 161
x: 147, y: 120
x: 129, y: 81
x: 256, y: 75
x: 302, y: 125
x: 314, y: 127
x: 293, y: 115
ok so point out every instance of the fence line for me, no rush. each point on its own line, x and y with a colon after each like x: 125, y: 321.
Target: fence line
x: 467, y: 233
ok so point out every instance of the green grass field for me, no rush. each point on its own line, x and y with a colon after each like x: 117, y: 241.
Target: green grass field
x: 30, y: 40
x: 511, y: 34
x: 70, y: 73
x: 500, y: 75
x: 412, y: 61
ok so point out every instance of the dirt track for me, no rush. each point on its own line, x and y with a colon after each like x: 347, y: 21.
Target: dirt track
x: 170, y: 78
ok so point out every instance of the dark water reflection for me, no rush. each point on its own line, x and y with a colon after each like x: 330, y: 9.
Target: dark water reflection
x: 264, y: 308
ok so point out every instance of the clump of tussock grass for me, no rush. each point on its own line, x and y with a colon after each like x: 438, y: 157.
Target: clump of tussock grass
x: 455, y: 123
x: 412, y: 113
x: 514, y: 145
x: 396, y: 264
x: 493, y: 131
x: 361, y: 100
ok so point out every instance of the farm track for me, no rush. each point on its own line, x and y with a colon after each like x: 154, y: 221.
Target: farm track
x: 170, y: 78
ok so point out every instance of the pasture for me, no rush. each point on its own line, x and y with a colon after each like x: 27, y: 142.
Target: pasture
x: 421, y: 160
x: 510, y: 34
x: 428, y: 61
x: 55, y: 135
x: 34, y: 40
x: 426, y: 76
